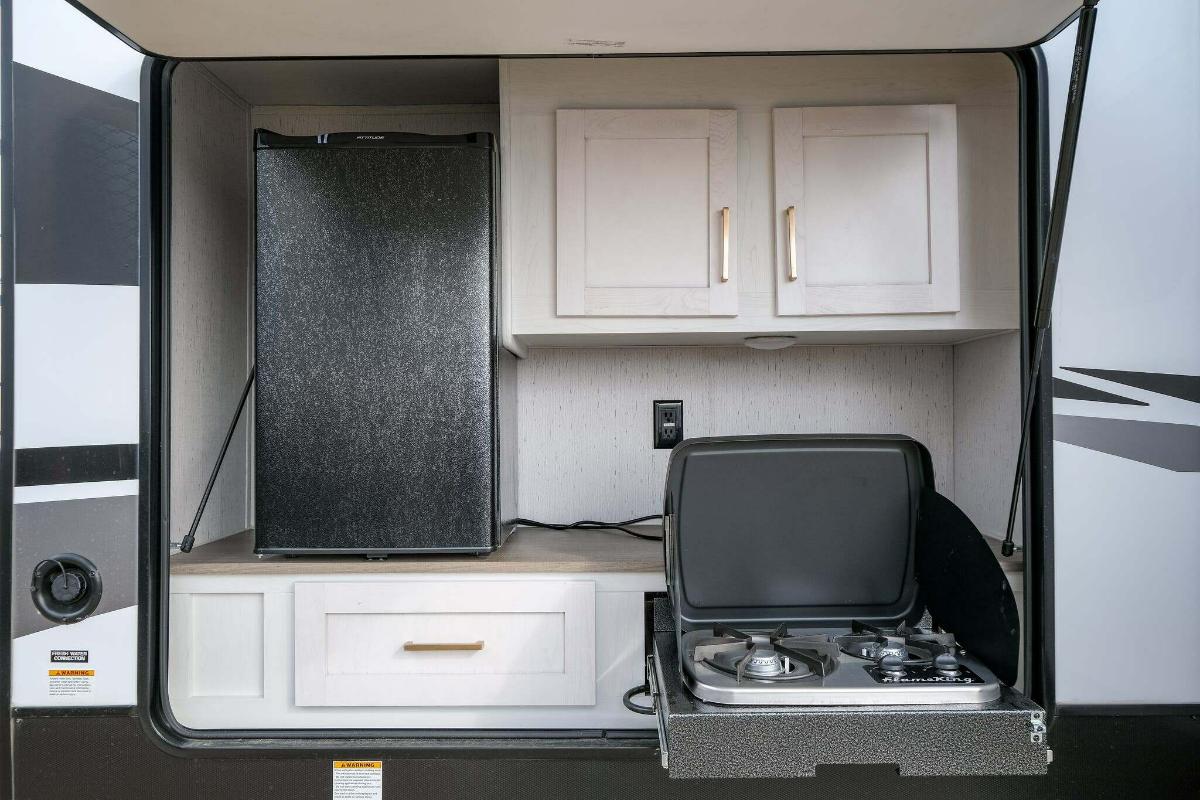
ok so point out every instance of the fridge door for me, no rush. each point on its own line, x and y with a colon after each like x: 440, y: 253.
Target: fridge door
x: 374, y: 402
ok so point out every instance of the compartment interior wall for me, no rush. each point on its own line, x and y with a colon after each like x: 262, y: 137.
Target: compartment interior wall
x: 210, y: 300
x: 987, y: 428
x: 585, y: 415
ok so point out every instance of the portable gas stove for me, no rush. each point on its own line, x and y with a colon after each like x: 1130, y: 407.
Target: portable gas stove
x: 797, y: 567
x: 866, y: 665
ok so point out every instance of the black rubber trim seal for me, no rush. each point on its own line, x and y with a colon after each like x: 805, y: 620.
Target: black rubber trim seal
x: 8, y: 263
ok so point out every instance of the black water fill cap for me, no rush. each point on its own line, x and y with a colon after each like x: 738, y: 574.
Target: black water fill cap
x: 67, y: 587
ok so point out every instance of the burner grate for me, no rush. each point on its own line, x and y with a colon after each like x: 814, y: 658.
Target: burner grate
x: 771, y: 657
x: 913, y: 647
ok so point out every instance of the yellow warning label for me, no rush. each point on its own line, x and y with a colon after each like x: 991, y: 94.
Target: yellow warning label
x: 357, y: 780
x: 70, y: 682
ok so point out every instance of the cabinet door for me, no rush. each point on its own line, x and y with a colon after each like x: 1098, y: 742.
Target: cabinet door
x: 646, y: 213
x: 866, y: 209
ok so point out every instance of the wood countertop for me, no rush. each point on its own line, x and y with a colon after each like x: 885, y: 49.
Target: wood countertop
x: 526, y: 550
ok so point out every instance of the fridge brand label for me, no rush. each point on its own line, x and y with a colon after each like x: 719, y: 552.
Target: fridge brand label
x: 68, y: 656
x: 70, y: 682
x: 357, y: 780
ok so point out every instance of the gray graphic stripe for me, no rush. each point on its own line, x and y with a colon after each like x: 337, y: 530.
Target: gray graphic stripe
x: 1161, y: 444
x: 1185, y: 387
x: 104, y: 529
x: 1069, y: 390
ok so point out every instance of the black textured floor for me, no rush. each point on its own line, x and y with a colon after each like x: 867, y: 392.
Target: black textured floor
x: 107, y: 757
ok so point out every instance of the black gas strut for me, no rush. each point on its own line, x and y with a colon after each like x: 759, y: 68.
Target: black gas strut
x: 186, y: 545
x: 1054, y: 237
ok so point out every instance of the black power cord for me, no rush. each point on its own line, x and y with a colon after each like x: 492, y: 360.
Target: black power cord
x: 595, y: 525
x: 627, y: 700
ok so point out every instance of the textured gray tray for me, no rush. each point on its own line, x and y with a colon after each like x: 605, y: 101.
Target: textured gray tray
x: 702, y: 740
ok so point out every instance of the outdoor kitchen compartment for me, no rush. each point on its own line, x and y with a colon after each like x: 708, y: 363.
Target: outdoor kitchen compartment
x: 790, y: 636
x: 376, y: 420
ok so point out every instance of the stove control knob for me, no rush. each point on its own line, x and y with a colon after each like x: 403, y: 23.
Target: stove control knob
x: 946, y: 664
x: 892, y: 664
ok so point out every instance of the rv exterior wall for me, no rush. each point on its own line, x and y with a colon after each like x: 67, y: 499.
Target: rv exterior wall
x: 1126, y: 477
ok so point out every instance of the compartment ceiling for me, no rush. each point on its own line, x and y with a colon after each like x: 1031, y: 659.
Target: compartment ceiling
x: 265, y: 28
x: 362, y: 81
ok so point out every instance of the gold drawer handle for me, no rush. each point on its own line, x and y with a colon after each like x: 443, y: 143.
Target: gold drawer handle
x: 441, y: 647
x: 725, y: 244
x: 791, y: 243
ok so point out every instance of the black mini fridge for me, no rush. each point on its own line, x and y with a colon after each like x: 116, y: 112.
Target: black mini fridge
x: 378, y: 397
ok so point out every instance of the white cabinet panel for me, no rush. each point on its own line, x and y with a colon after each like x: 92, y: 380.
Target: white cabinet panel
x: 866, y: 208
x: 445, y: 643
x: 645, y: 206
x: 232, y: 698
x: 235, y: 669
x: 618, y: 301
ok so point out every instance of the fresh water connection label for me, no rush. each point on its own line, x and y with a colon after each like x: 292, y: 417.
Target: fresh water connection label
x: 69, y: 656
x: 71, y: 682
x: 357, y: 780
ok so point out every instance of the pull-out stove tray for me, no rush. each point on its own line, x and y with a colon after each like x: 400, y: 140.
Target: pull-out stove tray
x: 701, y: 740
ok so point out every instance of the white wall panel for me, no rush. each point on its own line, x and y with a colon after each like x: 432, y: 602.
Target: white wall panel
x: 76, y: 365
x: 54, y: 37
x: 111, y: 642
x: 987, y: 428
x: 585, y: 414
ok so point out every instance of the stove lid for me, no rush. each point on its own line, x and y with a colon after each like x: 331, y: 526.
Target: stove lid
x: 799, y: 528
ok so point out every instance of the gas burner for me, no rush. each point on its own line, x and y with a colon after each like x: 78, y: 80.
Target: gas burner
x: 830, y: 666
x: 774, y: 656
x: 894, y: 649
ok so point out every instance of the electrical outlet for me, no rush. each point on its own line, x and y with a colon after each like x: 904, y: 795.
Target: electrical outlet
x: 668, y: 423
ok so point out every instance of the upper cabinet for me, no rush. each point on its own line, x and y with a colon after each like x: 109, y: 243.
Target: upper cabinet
x: 871, y: 199
x: 646, y: 202
x: 866, y: 209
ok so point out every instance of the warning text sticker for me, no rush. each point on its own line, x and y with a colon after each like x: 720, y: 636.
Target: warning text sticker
x: 357, y: 780
x: 71, y: 682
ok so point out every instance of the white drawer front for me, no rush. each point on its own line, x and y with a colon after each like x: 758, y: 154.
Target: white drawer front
x: 445, y: 643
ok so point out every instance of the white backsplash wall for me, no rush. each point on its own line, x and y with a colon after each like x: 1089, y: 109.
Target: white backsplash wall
x: 987, y: 428
x: 585, y: 413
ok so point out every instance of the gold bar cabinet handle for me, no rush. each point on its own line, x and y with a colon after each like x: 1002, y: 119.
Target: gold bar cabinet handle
x: 441, y: 647
x: 725, y: 244
x: 791, y: 242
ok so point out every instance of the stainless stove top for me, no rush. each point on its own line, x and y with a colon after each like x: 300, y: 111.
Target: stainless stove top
x: 860, y: 665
